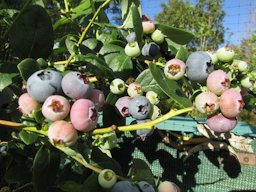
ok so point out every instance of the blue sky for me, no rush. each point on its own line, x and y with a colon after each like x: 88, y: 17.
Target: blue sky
x: 237, y: 19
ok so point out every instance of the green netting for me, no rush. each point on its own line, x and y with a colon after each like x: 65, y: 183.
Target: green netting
x: 204, y: 171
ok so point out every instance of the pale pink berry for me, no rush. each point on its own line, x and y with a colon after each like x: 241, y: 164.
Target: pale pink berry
x: 27, y: 104
x: 147, y: 25
x: 218, y: 81
x: 84, y: 115
x: 98, y: 98
x: 122, y: 105
x: 62, y: 133
x: 174, y: 69
x: 206, y: 102
x: 231, y: 103
x: 220, y: 123
x: 55, y: 107
x: 168, y: 186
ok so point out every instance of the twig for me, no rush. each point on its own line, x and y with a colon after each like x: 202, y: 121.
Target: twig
x: 22, y: 187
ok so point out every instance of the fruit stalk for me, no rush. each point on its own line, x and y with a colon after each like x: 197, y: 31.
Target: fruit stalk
x: 146, y: 125
x: 86, y: 29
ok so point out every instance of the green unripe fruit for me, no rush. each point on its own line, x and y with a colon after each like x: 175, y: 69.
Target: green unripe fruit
x: 157, y: 36
x: 107, y: 178
x: 225, y: 54
x: 117, y: 86
x: 213, y: 56
x: 132, y: 49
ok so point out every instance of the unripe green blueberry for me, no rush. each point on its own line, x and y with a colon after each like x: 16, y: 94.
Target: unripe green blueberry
x: 107, y: 178
x: 213, y: 56
x: 152, y: 97
x: 132, y: 49
x: 246, y: 82
x: 27, y: 104
x: 225, y: 54
x: 155, y: 112
x: 174, y: 69
x: 134, y: 89
x: 117, y: 86
x: 167, y: 186
x: 62, y: 133
x: 242, y: 66
x: 157, y: 36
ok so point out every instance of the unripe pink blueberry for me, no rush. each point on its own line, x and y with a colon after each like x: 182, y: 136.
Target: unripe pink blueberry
x: 55, y: 107
x: 147, y: 25
x: 218, y: 81
x: 98, y: 98
x: 122, y: 105
x: 168, y: 186
x: 220, y: 123
x: 84, y: 115
x: 231, y: 103
x: 206, y: 102
x: 62, y: 133
x: 174, y: 69
x: 134, y: 89
x: 27, y: 104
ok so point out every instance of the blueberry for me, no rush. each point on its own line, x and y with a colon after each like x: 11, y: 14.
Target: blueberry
x: 76, y: 85
x: 43, y: 84
x: 199, y: 66
x: 145, y: 187
x: 131, y: 37
x: 122, y: 105
x: 140, y: 107
x: 150, y: 49
x: 142, y: 133
x: 124, y: 186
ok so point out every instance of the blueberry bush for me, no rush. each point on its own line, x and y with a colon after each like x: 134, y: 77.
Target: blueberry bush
x: 71, y: 78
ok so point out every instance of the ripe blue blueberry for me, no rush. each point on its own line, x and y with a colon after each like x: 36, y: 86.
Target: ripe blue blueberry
x: 140, y: 107
x: 124, y: 186
x: 142, y: 133
x: 199, y: 66
x: 76, y: 85
x: 150, y: 49
x: 145, y: 186
x: 131, y: 37
x: 44, y: 83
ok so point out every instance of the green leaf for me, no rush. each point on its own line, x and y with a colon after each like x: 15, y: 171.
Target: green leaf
x: 170, y: 87
x: 91, y: 43
x: 95, y: 64
x: 7, y: 79
x: 104, y: 161
x: 28, y: 138
x: 45, y: 167
x: 117, y: 60
x: 17, y: 174
x: 91, y: 183
x: 32, y: 34
x: 182, y: 54
x: 27, y: 67
x: 126, y: 10
x: 70, y: 186
x: 112, y: 98
x: 148, y: 83
x: 176, y: 35
x: 137, y: 24
x: 83, y: 9
x: 140, y: 171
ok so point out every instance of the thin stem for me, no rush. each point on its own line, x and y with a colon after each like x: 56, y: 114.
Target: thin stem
x: 146, y: 125
x: 87, y: 29
x: 22, y: 187
x: 10, y: 123
x: 66, y: 5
